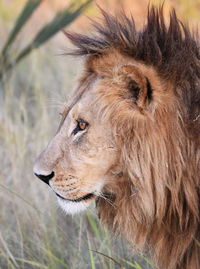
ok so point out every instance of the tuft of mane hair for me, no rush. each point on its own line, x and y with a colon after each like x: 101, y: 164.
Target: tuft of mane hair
x: 164, y: 216
x: 173, y: 51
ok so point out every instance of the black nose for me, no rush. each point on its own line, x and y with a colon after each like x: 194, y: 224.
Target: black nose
x: 45, y: 178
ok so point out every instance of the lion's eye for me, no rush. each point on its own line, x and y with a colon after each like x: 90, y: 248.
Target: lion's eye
x: 81, y: 126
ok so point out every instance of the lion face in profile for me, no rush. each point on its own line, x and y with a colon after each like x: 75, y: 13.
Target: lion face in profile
x: 85, y: 155
x: 129, y: 137
x: 82, y: 155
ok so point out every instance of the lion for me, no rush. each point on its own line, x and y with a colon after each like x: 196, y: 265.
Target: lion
x: 129, y: 136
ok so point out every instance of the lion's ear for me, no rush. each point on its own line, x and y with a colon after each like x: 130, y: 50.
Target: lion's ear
x: 137, y: 84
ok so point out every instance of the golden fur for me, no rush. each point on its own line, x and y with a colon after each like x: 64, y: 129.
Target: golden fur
x: 149, y: 104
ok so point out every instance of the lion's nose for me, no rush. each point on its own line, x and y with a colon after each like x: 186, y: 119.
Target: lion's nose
x: 45, y: 178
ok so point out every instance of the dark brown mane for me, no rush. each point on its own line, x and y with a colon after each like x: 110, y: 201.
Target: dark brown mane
x: 172, y: 50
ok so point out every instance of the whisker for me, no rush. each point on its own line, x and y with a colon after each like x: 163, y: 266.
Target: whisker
x: 107, y: 200
x: 87, y: 189
x: 101, y: 195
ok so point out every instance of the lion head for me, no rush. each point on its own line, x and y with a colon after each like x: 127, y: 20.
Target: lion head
x: 129, y: 137
x: 81, y: 157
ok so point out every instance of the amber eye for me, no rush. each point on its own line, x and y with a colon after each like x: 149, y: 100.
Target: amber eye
x: 82, y: 125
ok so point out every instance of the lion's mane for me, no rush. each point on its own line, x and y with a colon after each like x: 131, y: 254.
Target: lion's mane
x: 157, y: 195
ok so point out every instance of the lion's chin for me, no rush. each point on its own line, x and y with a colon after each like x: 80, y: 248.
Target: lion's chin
x: 71, y: 207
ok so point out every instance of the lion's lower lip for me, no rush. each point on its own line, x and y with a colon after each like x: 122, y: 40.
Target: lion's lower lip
x: 83, y: 198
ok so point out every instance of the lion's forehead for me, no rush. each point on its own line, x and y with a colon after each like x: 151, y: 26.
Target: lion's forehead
x: 85, y: 105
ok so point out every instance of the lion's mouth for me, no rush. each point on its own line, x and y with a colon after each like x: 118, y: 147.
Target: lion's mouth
x: 83, y: 198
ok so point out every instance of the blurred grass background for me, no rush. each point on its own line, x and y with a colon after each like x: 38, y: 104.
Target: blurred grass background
x: 34, y: 232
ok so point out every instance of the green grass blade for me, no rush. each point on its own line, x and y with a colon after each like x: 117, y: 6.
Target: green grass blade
x: 29, y: 8
x: 94, y: 226
x: 61, y: 20
x: 128, y: 262
x: 91, y: 253
x: 138, y: 266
